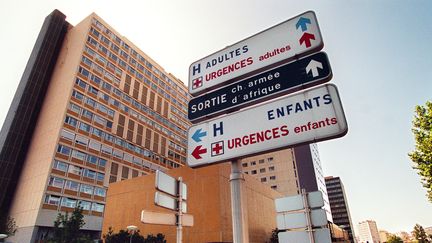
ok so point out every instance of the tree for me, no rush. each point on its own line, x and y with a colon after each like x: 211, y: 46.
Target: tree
x: 420, y: 234
x: 422, y: 155
x: 125, y: 236
x: 67, y: 229
x: 274, y: 236
x: 394, y: 239
x: 7, y: 226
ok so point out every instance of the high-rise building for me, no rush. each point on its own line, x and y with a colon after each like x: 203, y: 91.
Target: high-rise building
x: 288, y: 171
x: 368, y: 232
x: 91, y: 109
x: 339, y: 204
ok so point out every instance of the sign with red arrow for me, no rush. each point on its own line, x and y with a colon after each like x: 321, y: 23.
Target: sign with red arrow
x: 279, y: 44
x: 311, y: 115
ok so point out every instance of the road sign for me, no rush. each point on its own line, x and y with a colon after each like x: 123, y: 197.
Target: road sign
x: 298, y: 219
x: 300, y: 74
x: 168, y: 184
x: 295, y: 202
x: 286, y: 41
x: 149, y: 217
x: 320, y: 235
x: 308, y: 116
x: 169, y: 202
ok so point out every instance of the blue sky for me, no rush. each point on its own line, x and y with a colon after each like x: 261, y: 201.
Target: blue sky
x: 380, y: 53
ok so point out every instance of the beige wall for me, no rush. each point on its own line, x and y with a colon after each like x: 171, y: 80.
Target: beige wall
x: 37, y: 166
x: 208, y: 201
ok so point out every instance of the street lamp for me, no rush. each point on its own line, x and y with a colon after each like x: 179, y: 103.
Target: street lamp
x: 133, y: 229
x: 2, y: 236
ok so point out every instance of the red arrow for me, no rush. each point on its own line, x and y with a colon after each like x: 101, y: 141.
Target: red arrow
x: 198, y: 151
x: 306, y: 38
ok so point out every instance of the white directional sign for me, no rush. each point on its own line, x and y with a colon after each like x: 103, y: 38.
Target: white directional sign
x: 169, y: 202
x: 308, y: 116
x: 298, y: 220
x: 291, y: 39
x: 295, y: 202
x: 149, y: 217
x: 320, y: 236
x: 168, y: 184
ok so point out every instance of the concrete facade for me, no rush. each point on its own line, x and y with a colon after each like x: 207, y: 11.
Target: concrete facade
x: 208, y: 201
x: 107, y: 113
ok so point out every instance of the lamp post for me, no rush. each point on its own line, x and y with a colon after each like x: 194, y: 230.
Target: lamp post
x: 133, y: 229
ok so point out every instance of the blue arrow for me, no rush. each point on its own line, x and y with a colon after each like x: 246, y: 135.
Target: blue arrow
x: 302, y: 22
x: 198, y: 134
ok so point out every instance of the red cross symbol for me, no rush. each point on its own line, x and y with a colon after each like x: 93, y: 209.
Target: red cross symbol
x: 196, y: 83
x: 217, y: 148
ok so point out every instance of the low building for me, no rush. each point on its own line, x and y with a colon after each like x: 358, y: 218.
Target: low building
x: 208, y: 200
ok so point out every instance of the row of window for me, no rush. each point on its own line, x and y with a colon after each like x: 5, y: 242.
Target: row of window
x: 72, y: 203
x: 130, y: 69
x: 65, y: 150
x: 253, y: 163
x: 108, y: 150
x: 77, y: 170
x: 133, y: 53
x: 75, y: 186
x: 132, y: 102
x: 261, y: 170
x: 91, y: 102
x: 90, y: 115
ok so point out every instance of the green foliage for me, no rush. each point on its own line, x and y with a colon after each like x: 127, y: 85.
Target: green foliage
x: 422, y: 155
x: 7, y: 226
x: 67, y: 228
x: 274, y: 237
x: 394, y: 239
x: 124, y: 236
x: 420, y: 234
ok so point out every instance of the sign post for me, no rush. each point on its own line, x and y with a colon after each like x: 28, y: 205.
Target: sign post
x: 238, y: 204
x: 171, y: 194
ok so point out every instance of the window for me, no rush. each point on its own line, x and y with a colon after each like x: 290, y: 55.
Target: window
x: 56, y: 182
x: 274, y: 187
x: 85, y: 204
x: 84, y: 127
x: 86, y: 189
x: 264, y: 179
x: 100, y: 176
x: 84, y: 71
x: 72, y: 185
x: 95, y: 145
x: 271, y: 168
x: 81, y: 140
x: 100, y: 191
x: 51, y: 199
x: 253, y: 163
x: 68, y: 202
x: 89, y: 173
x: 253, y: 172
x: 58, y: 165
x: 75, y: 108
x: 270, y: 159
x: 90, y: 102
x: 245, y: 165
x: 262, y: 170
x: 75, y: 169
x: 98, y: 207
x: 67, y: 135
x: 92, y: 159
x: 272, y: 178
x: 96, y: 132
x: 93, y: 90
x: 102, y: 162
x: 77, y: 95
x: 71, y: 121
x: 105, y: 149
x: 79, y: 155
x: 64, y: 150
x: 261, y: 161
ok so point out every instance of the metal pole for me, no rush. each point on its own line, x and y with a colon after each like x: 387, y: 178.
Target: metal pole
x: 308, y: 216
x: 238, y: 204
x: 179, y: 211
